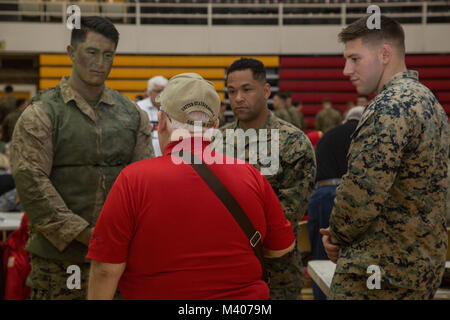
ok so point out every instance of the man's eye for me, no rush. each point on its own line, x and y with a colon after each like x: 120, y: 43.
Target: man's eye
x: 355, y: 59
x: 231, y: 91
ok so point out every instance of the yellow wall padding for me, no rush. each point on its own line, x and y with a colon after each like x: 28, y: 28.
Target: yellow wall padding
x: 132, y: 95
x: 122, y: 85
x: 163, y: 61
x: 138, y: 73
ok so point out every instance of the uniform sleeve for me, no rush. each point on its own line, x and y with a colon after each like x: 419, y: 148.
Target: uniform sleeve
x: 31, y: 162
x: 374, y: 158
x: 279, y: 234
x: 297, y: 176
x: 144, y: 147
x: 115, y: 226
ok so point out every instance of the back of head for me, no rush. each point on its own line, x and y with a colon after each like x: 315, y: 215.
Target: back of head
x: 189, y: 98
x: 354, y: 114
x: 257, y: 68
x: 156, y: 81
x: 96, y: 24
x: 9, y: 89
x: 390, y: 32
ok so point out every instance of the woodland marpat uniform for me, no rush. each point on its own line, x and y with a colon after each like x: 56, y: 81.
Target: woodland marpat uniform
x: 390, y: 206
x: 293, y: 184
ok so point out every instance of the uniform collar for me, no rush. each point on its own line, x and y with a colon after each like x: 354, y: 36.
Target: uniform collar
x: 267, y: 125
x: 68, y: 93
x: 408, y: 74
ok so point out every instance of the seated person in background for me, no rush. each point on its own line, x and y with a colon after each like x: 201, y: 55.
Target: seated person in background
x: 296, y: 119
x: 299, y: 106
x: 189, y: 246
x: 11, y: 119
x: 327, y: 118
x: 331, y: 155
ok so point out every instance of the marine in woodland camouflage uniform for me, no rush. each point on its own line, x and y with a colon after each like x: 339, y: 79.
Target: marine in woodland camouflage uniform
x: 390, y: 205
x: 66, y: 153
x: 293, y: 182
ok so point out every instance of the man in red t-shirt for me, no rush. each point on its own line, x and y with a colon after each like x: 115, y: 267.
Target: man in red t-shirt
x: 164, y: 234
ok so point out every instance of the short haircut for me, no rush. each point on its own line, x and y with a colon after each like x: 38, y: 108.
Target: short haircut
x: 96, y: 24
x: 281, y: 94
x: 390, y: 31
x: 20, y: 102
x: 256, y: 66
x: 8, y: 89
x: 326, y: 100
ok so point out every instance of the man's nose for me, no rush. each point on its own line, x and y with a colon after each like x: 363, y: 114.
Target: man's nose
x: 348, y: 70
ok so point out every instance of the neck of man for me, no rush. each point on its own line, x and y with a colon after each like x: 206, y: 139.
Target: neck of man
x: 258, y: 122
x: 86, y: 91
x: 397, y: 65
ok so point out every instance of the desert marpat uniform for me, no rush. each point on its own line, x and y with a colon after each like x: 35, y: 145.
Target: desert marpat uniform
x: 327, y: 119
x: 65, y: 157
x: 293, y: 184
x: 390, y: 206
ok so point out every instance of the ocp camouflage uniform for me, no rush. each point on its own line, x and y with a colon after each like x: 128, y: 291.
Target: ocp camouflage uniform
x: 65, y: 157
x: 390, y: 205
x: 327, y: 119
x: 283, y: 114
x: 293, y: 183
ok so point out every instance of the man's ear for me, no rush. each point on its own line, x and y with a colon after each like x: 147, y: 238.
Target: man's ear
x: 70, y: 51
x: 267, y: 90
x: 386, y: 53
x: 162, y: 122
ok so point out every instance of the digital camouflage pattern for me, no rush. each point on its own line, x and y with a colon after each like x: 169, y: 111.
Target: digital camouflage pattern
x: 48, y: 280
x: 65, y: 157
x: 355, y: 288
x: 327, y: 119
x: 293, y: 184
x: 390, y: 205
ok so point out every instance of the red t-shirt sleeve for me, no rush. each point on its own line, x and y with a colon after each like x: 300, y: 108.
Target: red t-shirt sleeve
x: 279, y: 234
x: 114, y: 228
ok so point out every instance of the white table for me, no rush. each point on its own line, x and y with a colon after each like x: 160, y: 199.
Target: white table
x: 322, y: 271
x: 9, y: 221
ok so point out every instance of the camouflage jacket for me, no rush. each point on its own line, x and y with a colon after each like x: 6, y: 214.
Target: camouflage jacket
x: 283, y: 114
x: 327, y: 119
x: 293, y: 183
x: 390, y: 206
x: 65, y: 156
x: 296, y: 117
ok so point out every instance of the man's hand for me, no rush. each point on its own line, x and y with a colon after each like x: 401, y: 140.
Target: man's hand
x: 331, y: 249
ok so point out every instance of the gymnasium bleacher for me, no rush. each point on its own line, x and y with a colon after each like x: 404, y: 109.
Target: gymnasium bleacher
x: 314, y: 78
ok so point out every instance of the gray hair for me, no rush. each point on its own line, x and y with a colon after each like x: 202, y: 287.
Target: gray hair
x: 156, y: 81
x: 354, y: 113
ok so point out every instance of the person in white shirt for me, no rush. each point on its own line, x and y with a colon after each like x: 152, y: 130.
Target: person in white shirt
x: 154, y: 87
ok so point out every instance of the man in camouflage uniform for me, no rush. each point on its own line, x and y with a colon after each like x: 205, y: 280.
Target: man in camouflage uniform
x: 11, y: 119
x: 390, y: 206
x: 292, y: 181
x: 7, y: 103
x: 68, y: 148
x: 327, y: 118
x: 279, y: 107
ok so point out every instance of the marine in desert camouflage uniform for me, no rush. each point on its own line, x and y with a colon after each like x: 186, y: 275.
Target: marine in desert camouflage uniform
x: 68, y: 148
x: 293, y: 182
x: 390, y: 206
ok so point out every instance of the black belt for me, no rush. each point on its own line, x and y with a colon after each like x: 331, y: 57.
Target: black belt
x: 328, y: 182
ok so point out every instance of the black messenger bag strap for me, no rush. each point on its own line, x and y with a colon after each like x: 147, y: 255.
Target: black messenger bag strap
x: 234, y: 208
